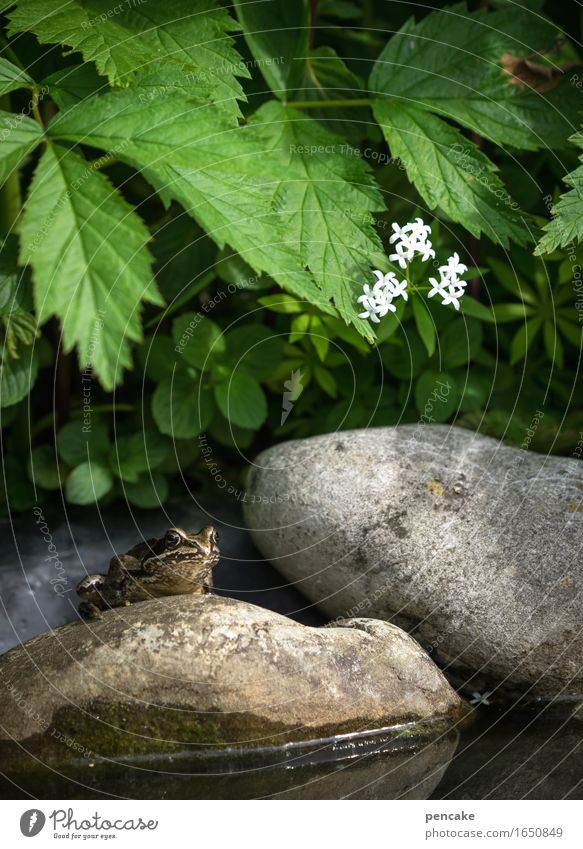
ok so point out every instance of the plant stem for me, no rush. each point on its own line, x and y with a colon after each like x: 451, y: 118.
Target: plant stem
x: 35, y: 107
x: 312, y: 31
x: 331, y: 104
x: 8, y: 51
x: 472, y: 242
x: 104, y: 161
x: 10, y: 197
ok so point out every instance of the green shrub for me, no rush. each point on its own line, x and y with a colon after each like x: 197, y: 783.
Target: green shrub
x: 194, y: 194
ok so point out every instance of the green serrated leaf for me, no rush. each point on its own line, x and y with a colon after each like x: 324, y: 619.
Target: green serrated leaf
x: 242, y: 401
x: 12, y: 77
x: 19, y: 135
x: 68, y: 86
x: 88, y: 483
x: 87, y: 248
x: 441, y: 62
x: 325, y: 195
x: 138, y: 36
x: 566, y: 226
x: 450, y: 172
x: 193, y: 153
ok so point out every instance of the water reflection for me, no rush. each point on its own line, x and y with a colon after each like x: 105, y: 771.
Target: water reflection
x: 404, y: 763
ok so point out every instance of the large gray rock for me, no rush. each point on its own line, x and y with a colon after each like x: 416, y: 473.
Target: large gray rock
x: 182, y: 671
x: 471, y: 545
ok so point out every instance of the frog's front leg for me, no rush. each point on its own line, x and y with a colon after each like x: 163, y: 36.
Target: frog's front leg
x: 120, y: 565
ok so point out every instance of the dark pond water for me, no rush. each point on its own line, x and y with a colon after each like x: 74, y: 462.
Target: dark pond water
x: 520, y: 756
x: 503, y: 754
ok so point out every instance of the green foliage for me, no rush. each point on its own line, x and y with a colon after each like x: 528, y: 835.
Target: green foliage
x: 450, y: 172
x: 12, y: 77
x: 190, y: 204
x: 138, y: 38
x: 566, y: 225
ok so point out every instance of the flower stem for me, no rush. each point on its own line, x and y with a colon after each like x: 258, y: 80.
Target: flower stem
x: 330, y: 104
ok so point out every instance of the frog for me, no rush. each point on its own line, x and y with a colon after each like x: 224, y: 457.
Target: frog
x: 174, y: 564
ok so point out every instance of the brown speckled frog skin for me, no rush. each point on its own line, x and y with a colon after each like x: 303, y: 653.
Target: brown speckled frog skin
x: 176, y: 564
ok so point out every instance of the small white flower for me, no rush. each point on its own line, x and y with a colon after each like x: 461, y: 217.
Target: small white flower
x: 452, y: 296
x: 453, y: 268
x: 438, y: 287
x: 481, y: 698
x: 399, y: 290
x: 370, y: 309
x: 403, y: 253
x: 399, y: 233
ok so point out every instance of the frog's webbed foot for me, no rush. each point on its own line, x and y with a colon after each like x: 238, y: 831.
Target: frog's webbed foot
x: 88, y: 610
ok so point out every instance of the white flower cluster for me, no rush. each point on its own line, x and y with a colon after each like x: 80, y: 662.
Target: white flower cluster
x: 409, y: 241
x: 449, y: 287
x: 378, y: 301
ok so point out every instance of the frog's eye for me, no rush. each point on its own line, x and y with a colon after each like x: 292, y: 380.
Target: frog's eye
x: 172, y: 539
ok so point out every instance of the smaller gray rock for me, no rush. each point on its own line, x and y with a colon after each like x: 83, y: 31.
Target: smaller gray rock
x: 184, y: 671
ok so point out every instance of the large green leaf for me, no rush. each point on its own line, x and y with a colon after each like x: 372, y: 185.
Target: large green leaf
x: 566, y: 226
x: 12, y: 77
x: 135, y: 36
x: 277, y: 34
x: 68, y: 86
x: 466, y: 67
x: 325, y: 194
x: 19, y: 136
x: 449, y: 171
x: 91, y: 266
x: 189, y: 151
